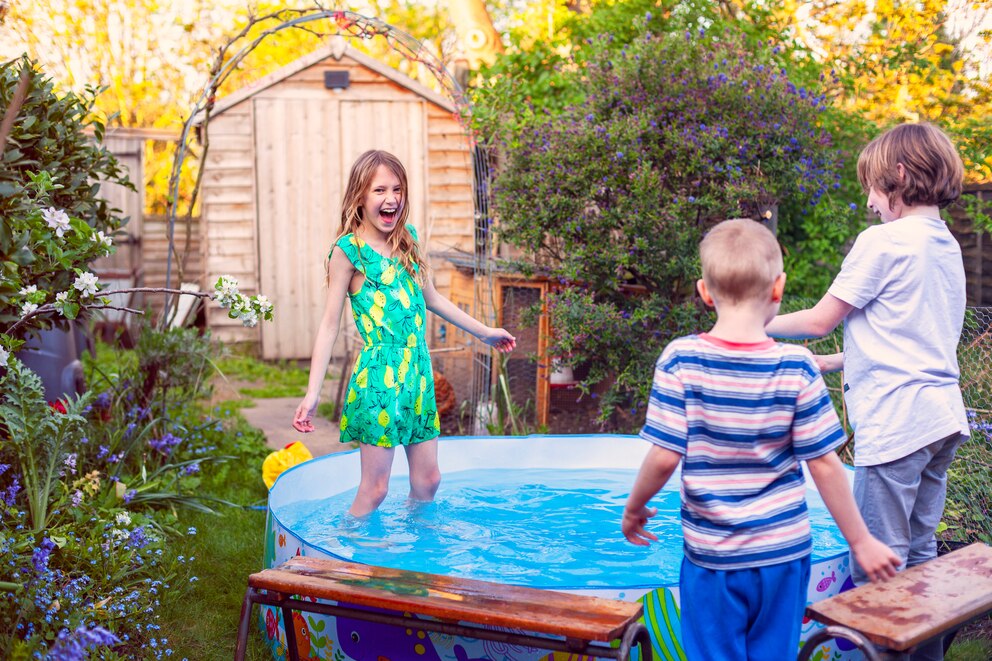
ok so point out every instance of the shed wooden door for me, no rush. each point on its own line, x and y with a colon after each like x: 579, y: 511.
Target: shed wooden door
x: 304, y: 151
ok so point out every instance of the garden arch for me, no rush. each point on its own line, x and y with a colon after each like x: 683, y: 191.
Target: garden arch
x: 472, y: 365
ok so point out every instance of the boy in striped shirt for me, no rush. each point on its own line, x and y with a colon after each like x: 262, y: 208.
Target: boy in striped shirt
x: 740, y: 411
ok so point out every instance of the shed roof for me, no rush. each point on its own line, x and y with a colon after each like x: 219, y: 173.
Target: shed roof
x: 337, y: 47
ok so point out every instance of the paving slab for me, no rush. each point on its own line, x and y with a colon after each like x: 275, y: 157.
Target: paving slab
x: 274, y: 417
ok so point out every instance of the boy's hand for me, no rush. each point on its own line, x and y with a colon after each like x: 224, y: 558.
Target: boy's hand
x: 877, y: 560
x: 633, y: 524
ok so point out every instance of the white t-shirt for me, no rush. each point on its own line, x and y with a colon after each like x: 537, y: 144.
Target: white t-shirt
x: 906, y: 282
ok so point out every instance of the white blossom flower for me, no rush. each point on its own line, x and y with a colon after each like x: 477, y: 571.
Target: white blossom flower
x: 104, y: 239
x: 28, y: 290
x: 86, y: 283
x: 123, y: 519
x: 4, y: 357
x: 249, y: 318
x: 226, y: 291
x: 248, y: 309
x: 60, y: 300
x: 28, y: 309
x: 57, y: 220
x: 263, y: 304
x: 241, y: 304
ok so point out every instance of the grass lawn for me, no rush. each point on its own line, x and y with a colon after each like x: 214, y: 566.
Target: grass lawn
x: 202, y: 624
x: 970, y: 650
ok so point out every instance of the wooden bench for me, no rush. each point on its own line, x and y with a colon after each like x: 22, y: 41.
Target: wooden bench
x: 578, y: 624
x: 917, y: 606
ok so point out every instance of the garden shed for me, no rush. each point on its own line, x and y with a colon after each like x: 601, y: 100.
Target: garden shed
x: 279, y: 153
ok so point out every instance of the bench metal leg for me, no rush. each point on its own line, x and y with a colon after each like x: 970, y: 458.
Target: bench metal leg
x: 292, y: 653
x: 636, y: 634
x: 242, y: 645
x: 833, y: 631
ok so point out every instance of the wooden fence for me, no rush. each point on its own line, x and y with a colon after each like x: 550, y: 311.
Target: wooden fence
x: 976, y: 246
x: 140, y: 261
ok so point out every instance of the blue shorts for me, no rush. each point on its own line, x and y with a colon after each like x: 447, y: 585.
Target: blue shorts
x: 753, y: 614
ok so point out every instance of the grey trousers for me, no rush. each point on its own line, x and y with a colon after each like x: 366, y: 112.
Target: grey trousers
x: 902, y: 502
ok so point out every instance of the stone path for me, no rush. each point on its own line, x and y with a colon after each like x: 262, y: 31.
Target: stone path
x: 274, y: 417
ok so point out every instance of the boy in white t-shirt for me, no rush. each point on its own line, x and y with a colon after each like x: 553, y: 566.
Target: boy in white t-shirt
x: 901, y: 296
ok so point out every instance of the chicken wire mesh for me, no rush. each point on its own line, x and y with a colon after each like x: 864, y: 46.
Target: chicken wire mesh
x: 969, y: 490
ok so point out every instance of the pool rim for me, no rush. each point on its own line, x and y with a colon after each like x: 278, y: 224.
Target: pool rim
x: 308, y: 465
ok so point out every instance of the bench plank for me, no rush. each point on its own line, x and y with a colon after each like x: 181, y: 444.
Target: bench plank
x: 452, y: 599
x: 917, y: 604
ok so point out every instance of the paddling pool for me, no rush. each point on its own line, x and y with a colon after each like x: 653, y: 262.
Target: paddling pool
x: 538, y: 511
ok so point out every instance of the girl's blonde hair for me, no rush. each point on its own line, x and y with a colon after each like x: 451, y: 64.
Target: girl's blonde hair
x: 933, y: 171
x: 359, y: 181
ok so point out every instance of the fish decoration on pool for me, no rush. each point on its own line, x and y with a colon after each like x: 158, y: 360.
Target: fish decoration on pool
x: 371, y: 641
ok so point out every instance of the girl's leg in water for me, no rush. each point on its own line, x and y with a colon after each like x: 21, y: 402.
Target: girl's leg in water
x: 376, y: 465
x: 425, y: 476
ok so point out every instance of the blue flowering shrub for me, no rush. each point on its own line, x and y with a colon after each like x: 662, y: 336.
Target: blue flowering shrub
x: 609, y: 200
x: 90, y: 495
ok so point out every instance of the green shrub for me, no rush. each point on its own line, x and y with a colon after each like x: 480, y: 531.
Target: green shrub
x: 55, y: 222
x: 610, y: 200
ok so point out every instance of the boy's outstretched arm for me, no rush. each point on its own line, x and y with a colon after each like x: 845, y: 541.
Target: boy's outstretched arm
x: 817, y: 321
x: 829, y: 362
x: 658, y: 466
x: 876, y: 559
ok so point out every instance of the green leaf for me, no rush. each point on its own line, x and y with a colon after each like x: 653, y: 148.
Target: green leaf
x: 23, y: 257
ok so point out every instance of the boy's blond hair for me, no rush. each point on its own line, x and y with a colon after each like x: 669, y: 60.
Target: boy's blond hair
x: 741, y: 259
x: 932, y: 166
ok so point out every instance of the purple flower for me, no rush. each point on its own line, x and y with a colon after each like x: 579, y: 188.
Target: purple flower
x: 41, y: 555
x: 190, y: 469
x: 75, y: 645
x: 165, y: 444
x: 138, y: 539
x: 9, y: 495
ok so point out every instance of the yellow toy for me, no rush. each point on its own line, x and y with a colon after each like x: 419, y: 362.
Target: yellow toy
x: 294, y: 453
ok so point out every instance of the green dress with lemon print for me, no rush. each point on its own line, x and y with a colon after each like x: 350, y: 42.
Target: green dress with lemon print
x: 390, y: 398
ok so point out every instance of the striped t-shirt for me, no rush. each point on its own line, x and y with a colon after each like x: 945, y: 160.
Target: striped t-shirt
x: 742, y: 416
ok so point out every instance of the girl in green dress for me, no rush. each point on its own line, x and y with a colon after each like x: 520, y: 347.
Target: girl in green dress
x: 378, y: 264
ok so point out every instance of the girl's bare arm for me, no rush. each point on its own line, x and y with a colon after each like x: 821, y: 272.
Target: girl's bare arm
x: 442, y: 307
x: 340, y: 271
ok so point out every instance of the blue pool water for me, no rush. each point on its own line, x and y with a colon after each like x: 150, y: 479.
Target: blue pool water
x: 541, y: 527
